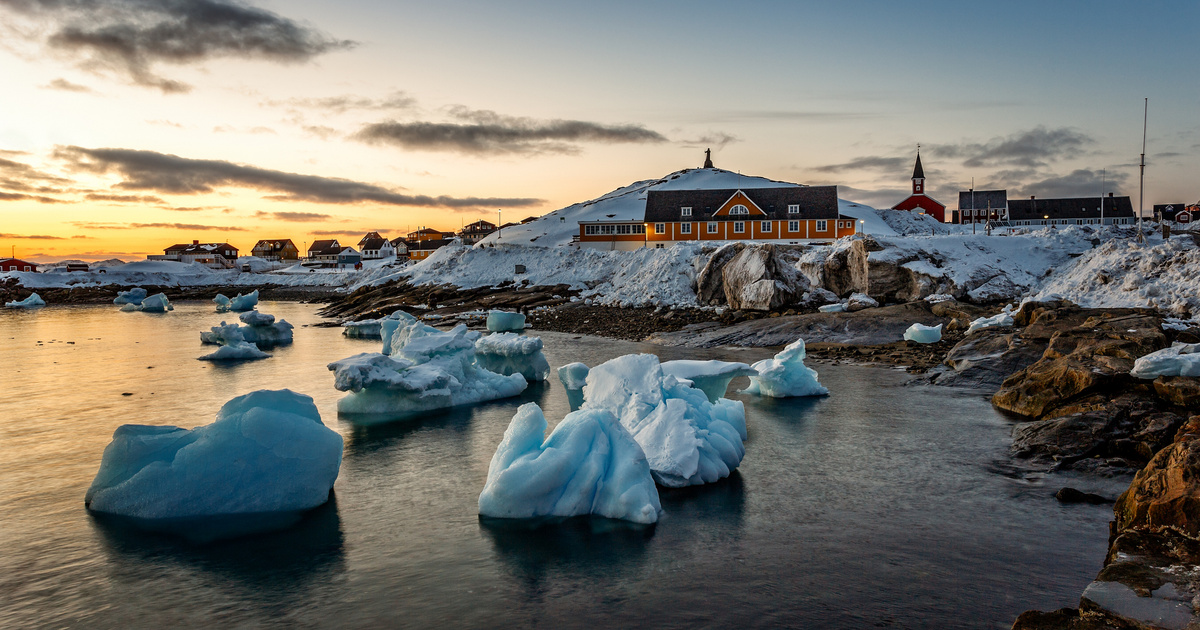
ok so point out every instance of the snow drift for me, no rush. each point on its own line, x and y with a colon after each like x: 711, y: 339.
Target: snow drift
x: 588, y: 465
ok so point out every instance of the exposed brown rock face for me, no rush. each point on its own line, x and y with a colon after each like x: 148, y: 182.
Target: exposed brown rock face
x: 1088, y: 351
x: 1166, y: 493
x: 1182, y: 391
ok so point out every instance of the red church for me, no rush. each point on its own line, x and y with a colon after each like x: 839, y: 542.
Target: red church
x: 919, y: 200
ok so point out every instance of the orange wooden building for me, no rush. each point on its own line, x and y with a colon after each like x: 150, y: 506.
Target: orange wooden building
x: 785, y: 214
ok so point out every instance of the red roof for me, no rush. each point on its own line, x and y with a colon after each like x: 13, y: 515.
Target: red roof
x: 10, y: 264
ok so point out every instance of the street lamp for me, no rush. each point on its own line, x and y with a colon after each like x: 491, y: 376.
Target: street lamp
x: 862, y: 226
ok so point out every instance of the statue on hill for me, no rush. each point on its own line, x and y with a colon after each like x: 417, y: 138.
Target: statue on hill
x: 708, y: 158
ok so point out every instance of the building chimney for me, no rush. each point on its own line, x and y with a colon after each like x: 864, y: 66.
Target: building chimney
x: 195, y: 242
x: 1031, y: 197
x: 1110, y: 195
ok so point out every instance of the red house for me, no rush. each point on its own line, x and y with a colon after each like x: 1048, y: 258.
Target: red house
x: 919, y: 201
x: 16, y: 264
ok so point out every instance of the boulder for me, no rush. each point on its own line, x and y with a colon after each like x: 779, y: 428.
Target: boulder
x: 986, y: 359
x: 1166, y: 493
x: 1181, y: 391
x: 750, y: 277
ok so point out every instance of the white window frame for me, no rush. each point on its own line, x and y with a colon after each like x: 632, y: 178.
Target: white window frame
x: 764, y: 226
x: 712, y: 227
x: 793, y: 226
x: 822, y: 225
x: 739, y: 227
x: 660, y: 228
x: 794, y: 208
x: 685, y: 211
x: 739, y: 209
x: 685, y: 228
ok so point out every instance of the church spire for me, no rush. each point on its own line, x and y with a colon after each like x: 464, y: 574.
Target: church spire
x: 918, y: 178
x: 708, y: 158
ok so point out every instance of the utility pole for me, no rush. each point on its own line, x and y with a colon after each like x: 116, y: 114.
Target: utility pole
x: 1102, y: 187
x: 1142, y: 178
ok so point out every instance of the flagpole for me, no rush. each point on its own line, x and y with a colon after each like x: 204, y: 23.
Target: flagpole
x: 1142, y: 178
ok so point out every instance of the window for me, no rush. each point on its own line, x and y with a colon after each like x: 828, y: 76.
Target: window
x: 793, y: 226
x: 712, y: 227
x: 660, y: 228
x: 658, y: 246
x: 765, y: 227
x: 822, y: 226
x: 739, y: 209
x: 739, y: 227
x: 686, y: 211
x: 588, y: 230
x: 27, y: 268
x: 794, y: 208
x: 685, y: 228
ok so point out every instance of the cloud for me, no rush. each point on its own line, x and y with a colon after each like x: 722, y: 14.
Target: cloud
x: 712, y: 139
x: 18, y: 176
x: 869, y: 163
x: 9, y: 196
x: 123, y: 198
x: 1034, y: 148
x: 32, y: 237
x: 89, y: 225
x: 251, y: 130
x: 171, y: 174
x: 341, y: 232
x: 320, y: 131
x: 486, y: 132
x: 133, y: 36
x: 348, y: 102
x: 67, y: 86
x: 1079, y: 183
x: 299, y: 217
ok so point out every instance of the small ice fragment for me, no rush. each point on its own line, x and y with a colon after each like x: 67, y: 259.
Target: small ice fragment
x: 921, y: 333
x: 786, y: 376
x: 1002, y: 319
x: 510, y: 353
x: 712, y: 377
x: 33, y: 301
x: 503, y: 321
x: 132, y: 296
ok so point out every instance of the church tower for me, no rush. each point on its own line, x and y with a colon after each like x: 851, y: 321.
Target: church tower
x: 918, y: 176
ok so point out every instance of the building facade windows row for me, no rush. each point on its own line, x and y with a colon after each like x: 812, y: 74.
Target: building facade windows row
x: 622, y: 229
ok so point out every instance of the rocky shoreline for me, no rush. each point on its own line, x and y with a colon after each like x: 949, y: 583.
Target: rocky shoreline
x: 11, y: 290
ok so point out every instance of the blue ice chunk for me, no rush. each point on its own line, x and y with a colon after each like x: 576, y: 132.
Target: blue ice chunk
x: 33, y: 301
x: 510, y: 353
x: 504, y: 321
x: 785, y: 376
x: 921, y: 333
x: 132, y: 296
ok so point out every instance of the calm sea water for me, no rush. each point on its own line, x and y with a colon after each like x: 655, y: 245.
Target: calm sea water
x: 877, y: 506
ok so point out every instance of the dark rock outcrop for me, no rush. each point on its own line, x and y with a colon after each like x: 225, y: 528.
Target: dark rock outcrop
x: 751, y: 277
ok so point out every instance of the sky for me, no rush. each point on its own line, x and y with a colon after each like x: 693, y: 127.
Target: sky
x: 130, y: 125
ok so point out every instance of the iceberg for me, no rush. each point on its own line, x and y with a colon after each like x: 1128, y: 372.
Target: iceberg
x: 33, y: 301
x: 1181, y: 359
x: 157, y: 303
x: 132, y: 296
x: 261, y: 329
x: 510, y: 353
x: 921, y: 333
x: 711, y: 377
x: 687, y: 439
x: 234, y: 346
x: 588, y: 465
x: 785, y: 376
x: 573, y: 377
x: 422, y: 368
x: 503, y: 321
x: 267, y: 452
x: 1003, y: 319
x: 373, y: 328
x: 237, y: 304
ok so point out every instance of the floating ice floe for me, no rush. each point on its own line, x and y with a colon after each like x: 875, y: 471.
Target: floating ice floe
x: 157, y: 303
x: 33, y: 301
x: 510, y: 353
x: 503, y: 321
x: 999, y: 320
x: 132, y: 296
x: 427, y: 369
x: 234, y: 346
x: 785, y: 376
x: 1181, y: 359
x: 261, y: 329
x: 373, y: 328
x: 238, y: 304
x: 589, y: 464
x: 712, y: 377
x: 267, y: 452
x: 920, y: 333
x: 687, y: 439
x: 573, y: 377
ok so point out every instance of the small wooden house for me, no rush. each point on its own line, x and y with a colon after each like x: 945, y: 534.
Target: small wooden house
x: 16, y: 264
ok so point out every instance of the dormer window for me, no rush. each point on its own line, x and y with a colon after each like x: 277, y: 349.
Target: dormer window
x: 794, y: 208
x: 686, y: 211
x: 739, y: 209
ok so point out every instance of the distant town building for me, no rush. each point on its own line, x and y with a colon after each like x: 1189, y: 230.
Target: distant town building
x: 1071, y: 211
x: 375, y: 247
x: 428, y: 234
x: 1177, y: 212
x: 981, y: 206
x: 16, y: 264
x: 421, y: 250
x: 475, y: 232
x: 276, y: 249
x: 785, y: 214
x: 400, y: 246
x: 330, y: 253
x: 214, y: 255
x: 918, y: 200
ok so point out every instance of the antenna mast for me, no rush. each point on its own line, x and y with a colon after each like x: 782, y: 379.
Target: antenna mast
x: 1142, y: 178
